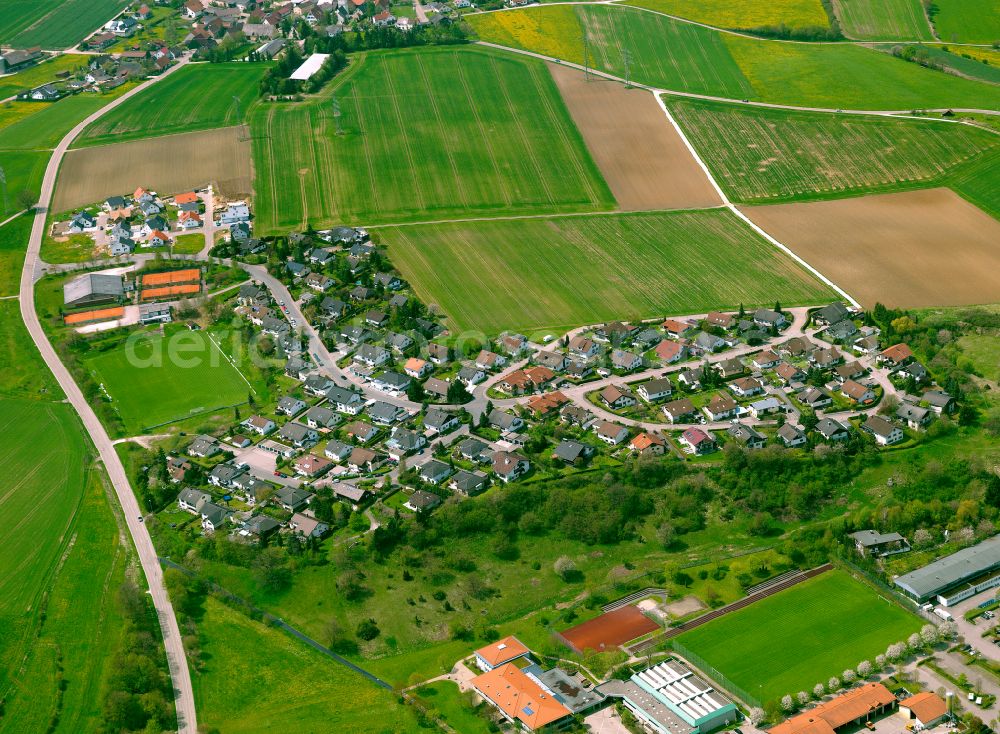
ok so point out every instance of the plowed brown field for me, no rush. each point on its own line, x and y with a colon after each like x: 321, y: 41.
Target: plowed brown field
x: 167, y: 165
x: 911, y: 250
x: 639, y: 152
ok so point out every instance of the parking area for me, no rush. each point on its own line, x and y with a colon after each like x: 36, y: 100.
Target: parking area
x: 972, y: 632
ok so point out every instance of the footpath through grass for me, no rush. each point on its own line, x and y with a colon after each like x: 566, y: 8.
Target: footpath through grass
x: 555, y: 273
x: 198, y: 97
x: 427, y: 134
x: 778, y: 155
x: 797, y: 638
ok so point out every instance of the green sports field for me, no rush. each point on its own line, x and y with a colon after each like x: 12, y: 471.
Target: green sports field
x: 797, y: 638
x: 428, y: 135
x: 968, y: 21
x: 555, y: 273
x: 53, y: 23
x: 743, y: 13
x: 759, y: 155
x: 898, y: 20
x: 154, y: 379
x: 683, y: 57
x: 256, y: 678
x: 199, y: 97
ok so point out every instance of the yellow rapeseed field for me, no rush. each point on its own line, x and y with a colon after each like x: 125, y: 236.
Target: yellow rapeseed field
x: 742, y: 13
x: 553, y: 31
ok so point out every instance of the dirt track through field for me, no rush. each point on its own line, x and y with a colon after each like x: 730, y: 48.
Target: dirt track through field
x: 167, y: 165
x: 913, y: 249
x: 641, y: 156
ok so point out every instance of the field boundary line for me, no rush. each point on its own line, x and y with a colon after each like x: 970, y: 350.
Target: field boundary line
x: 733, y: 208
x: 230, y: 360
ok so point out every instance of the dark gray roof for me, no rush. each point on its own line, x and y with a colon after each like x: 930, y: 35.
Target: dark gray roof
x: 951, y: 570
x: 93, y: 285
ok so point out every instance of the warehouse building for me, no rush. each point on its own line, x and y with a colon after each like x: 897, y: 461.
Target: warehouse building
x: 92, y: 289
x: 669, y: 698
x: 953, y: 578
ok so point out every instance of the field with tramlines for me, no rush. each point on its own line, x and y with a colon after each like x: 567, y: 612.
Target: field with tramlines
x: 891, y: 19
x: 772, y: 155
x: 53, y: 23
x: 428, y: 135
x: 195, y: 98
x: 968, y: 21
x: 562, y: 272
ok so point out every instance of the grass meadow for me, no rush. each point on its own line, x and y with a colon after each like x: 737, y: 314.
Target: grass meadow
x: 889, y: 19
x: 793, y: 640
x: 40, y: 74
x: 682, y: 57
x: 968, y: 21
x: 979, y: 182
x: 444, y: 699
x: 157, y: 388
x: 759, y: 155
x: 283, y: 685
x: 40, y: 126
x: 554, y: 273
x: 199, y: 97
x: 63, y: 563
x: 742, y: 14
x: 13, y: 243
x: 23, y: 170
x: 53, y: 23
x: 428, y: 135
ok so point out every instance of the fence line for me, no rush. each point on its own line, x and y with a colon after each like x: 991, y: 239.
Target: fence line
x: 712, y: 672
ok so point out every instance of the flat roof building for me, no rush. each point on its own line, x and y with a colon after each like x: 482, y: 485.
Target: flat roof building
x: 671, y: 699
x: 955, y: 577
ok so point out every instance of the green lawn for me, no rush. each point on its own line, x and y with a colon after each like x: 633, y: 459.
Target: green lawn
x: 155, y: 379
x: 22, y: 372
x: 53, y: 23
x: 968, y: 21
x: 24, y: 170
x: 445, y: 700
x: 984, y: 352
x: 430, y: 134
x: 771, y: 155
x: 793, y: 640
x: 198, y: 97
x: 562, y: 272
x: 188, y: 244
x: 682, y: 57
x: 257, y: 678
x: 890, y: 19
x: 743, y: 13
x: 39, y: 74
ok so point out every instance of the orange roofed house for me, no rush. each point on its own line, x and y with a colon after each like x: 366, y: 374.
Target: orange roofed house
x: 519, y: 698
x: 855, y: 707
x: 926, y: 709
x: 500, y: 652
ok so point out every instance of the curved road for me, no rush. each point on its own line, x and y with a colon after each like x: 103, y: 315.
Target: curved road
x: 180, y: 676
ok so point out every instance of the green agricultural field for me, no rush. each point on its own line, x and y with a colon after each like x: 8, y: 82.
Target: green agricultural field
x: 898, y: 20
x: 699, y: 60
x: 24, y: 170
x: 256, y: 678
x: 22, y: 372
x: 13, y: 243
x: 562, y: 272
x: 153, y: 379
x: 979, y: 182
x: 40, y: 126
x: 666, y: 52
x: 962, y: 65
x: 772, y: 155
x: 63, y: 561
x: 39, y: 74
x: 428, y: 135
x: 198, y: 97
x: 53, y: 23
x: 793, y: 640
x: 968, y: 21
x: 744, y: 14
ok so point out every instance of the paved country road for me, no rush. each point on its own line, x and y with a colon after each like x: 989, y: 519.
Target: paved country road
x: 180, y: 676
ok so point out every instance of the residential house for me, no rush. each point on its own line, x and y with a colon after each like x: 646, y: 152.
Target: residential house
x: 669, y: 352
x: 788, y: 373
x: 192, y: 500
x: 505, y: 421
x: 438, y: 353
x: 760, y: 408
x: 318, y: 282
x: 895, y: 356
x: 709, y: 342
x: 488, y: 360
x: 576, y: 416
x: 648, y: 444
x: 421, y: 501
x: 815, y: 398
x: 472, y: 449
x: 832, y: 430
x: 690, y: 378
x: 720, y: 407
x: 849, y: 371
x: 508, y: 466
x: 857, y: 392
x: 697, y: 441
x: 722, y: 320
x: 436, y: 388
x: 583, y: 347
x: 797, y: 346
x: 344, y: 400
x: 831, y: 314
x: 317, y: 385
x: 939, y: 402
x: 677, y: 329
x: 434, y: 471
x: 311, y: 466
x: 259, y: 424
x: 768, y: 318
x: 468, y: 483
x: 826, y: 358
x: 746, y: 387
x: 678, y: 410
x: 470, y: 376
x: 222, y: 475
x: 542, y: 405
x: 404, y: 442
x: 260, y: 527
x: 514, y: 344
x: 655, y: 390
x: 371, y: 355
x: 213, y: 516
x: 884, y: 431
x: 336, y: 450
x: 321, y: 416
x: 791, y: 436
x: 203, y: 447
x: 293, y: 499
x: 571, y: 451
x: 360, y: 432
x: 617, y: 397
x: 914, y: 416
x: 625, y: 361
x: 611, y: 433
x: 746, y: 436
x: 290, y: 406
x: 765, y: 360
x: 417, y: 368
x: 385, y: 414
x: 440, y: 421
x: 729, y: 368
x: 842, y: 331
x: 392, y: 383
x: 552, y: 360
x: 308, y: 526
